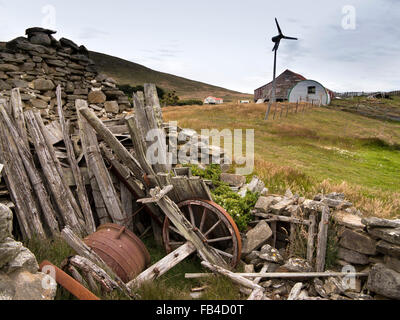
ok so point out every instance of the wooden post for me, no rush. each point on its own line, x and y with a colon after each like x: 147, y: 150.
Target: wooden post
x: 322, y: 239
x: 90, y: 225
x: 297, y: 106
x: 180, y: 222
x: 311, y: 237
x: 96, y: 165
x: 34, y: 175
x: 53, y: 178
x: 163, y: 266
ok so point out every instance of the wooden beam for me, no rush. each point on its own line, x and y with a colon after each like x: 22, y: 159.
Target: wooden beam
x: 286, y: 275
x: 90, y: 225
x: 322, y: 239
x: 48, y: 211
x: 163, y: 266
x: 96, y: 165
x: 18, y: 115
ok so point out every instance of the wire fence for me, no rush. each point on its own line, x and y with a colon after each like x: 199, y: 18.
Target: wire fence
x: 284, y: 109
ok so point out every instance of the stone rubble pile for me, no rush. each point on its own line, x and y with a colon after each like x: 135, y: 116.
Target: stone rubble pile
x: 38, y: 63
x: 369, y: 245
x: 19, y: 276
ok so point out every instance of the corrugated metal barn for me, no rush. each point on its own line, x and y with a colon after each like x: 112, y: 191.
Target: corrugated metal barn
x: 309, y: 91
x: 284, y: 83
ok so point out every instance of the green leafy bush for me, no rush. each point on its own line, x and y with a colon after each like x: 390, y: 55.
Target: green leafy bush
x: 239, y: 208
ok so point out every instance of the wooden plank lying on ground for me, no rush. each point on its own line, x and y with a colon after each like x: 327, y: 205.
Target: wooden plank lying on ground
x: 286, y: 275
x: 163, y: 266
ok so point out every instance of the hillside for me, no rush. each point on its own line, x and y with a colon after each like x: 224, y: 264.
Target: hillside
x: 126, y: 72
x: 323, y: 150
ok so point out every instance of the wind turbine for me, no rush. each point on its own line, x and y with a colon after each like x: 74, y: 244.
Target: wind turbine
x: 277, y: 40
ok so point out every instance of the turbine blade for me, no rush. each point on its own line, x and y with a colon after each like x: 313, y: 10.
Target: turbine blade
x: 279, y: 28
x: 276, y: 46
x: 290, y: 38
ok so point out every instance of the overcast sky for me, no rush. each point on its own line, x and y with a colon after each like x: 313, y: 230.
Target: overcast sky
x: 228, y: 42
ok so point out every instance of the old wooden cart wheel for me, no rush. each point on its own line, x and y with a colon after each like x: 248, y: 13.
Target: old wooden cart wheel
x: 213, y: 224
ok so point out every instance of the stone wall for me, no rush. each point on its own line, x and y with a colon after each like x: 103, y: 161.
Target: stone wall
x: 19, y: 276
x: 38, y: 63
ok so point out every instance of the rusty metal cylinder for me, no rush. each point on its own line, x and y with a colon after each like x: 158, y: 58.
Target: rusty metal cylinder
x: 120, y: 249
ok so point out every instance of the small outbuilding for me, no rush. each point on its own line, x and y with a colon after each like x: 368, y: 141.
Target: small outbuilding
x: 213, y: 100
x: 309, y: 91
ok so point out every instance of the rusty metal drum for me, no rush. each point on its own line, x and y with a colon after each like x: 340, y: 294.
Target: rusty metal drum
x: 120, y: 249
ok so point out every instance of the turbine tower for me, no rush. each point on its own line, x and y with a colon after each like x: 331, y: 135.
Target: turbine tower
x: 277, y: 40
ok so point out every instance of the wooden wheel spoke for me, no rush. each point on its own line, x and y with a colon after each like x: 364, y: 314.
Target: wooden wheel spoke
x: 219, y: 239
x: 174, y: 243
x: 175, y: 230
x: 191, y: 215
x: 203, y: 219
x: 213, y: 228
x: 223, y: 253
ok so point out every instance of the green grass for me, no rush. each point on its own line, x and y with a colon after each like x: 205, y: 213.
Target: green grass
x: 320, y: 150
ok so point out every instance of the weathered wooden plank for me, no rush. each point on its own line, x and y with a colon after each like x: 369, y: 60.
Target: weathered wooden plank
x: 83, y: 250
x: 287, y: 275
x: 233, y: 276
x: 15, y: 177
x: 120, y: 151
x: 322, y: 240
x: 18, y: 115
x: 96, y: 165
x: 48, y: 211
x: 59, y: 169
x: 163, y: 266
x: 127, y: 204
x: 54, y: 132
x: 177, y: 218
x: 311, y: 238
x: 90, y: 225
x: 258, y: 294
x: 54, y: 181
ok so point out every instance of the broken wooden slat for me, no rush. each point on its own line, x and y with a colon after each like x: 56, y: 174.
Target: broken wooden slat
x: 163, y: 266
x: 83, y: 250
x: 311, y: 238
x: 178, y: 219
x: 233, y: 276
x: 34, y: 175
x: 286, y: 275
x: 54, y: 132
x: 90, y: 225
x: 97, y: 167
x: 127, y: 204
x: 19, y: 186
x: 53, y: 178
x: 18, y: 115
x: 258, y: 294
x: 120, y: 151
x: 322, y: 239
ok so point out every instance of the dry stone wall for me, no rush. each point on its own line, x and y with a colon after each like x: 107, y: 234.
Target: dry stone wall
x: 38, y: 63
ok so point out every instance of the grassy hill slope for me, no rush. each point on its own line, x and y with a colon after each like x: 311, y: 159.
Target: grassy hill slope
x: 322, y: 150
x: 126, y: 72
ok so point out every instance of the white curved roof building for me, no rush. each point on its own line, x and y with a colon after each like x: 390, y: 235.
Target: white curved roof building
x: 309, y: 91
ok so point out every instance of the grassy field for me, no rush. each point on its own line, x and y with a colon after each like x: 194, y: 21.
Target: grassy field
x: 126, y: 72
x: 322, y: 150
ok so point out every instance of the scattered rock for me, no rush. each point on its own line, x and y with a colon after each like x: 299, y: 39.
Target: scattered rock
x: 5, y: 222
x: 234, y: 180
x: 256, y: 237
x: 96, y: 97
x: 380, y: 223
x: 358, y: 241
x: 388, y: 248
x: 256, y: 185
x: 43, y: 85
x: 348, y: 220
x: 298, y: 265
x: 392, y: 263
x: 270, y: 254
x: 295, y: 292
x: 30, y: 286
x: 351, y: 256
x: 263, y: 204
x: 111, y: 107
x: 281, y: 206
x: 384, y: 281
x: 387, y: 234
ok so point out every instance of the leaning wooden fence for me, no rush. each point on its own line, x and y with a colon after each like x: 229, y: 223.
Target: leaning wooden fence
x: 284, y: 109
